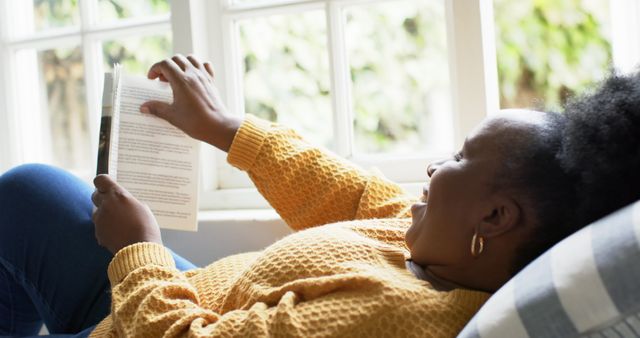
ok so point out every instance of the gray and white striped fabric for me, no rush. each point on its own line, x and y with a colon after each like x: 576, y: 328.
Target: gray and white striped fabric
x: 588, y: 285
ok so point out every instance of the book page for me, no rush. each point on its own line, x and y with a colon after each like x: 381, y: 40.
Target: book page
x: 157, y: 162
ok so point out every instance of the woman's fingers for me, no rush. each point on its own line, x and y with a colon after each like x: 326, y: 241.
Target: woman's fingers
x: 96, y: 198
x: 169, y: 69
x: 104, y: 183
x: 95, y: 215
x: 194, y: 61
x: 166, y: 69
x: 181, y: 61
x: 209, y: 68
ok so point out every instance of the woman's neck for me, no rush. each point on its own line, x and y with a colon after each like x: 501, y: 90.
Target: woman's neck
x: 443, y: 279
x: 425, y: 274
x: 477, y: 277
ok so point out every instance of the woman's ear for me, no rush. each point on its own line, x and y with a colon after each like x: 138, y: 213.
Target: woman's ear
x: 502, y: 216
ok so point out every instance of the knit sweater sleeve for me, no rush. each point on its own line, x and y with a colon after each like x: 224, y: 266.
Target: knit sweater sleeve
x: 151, y: 298
x: 307, y: 185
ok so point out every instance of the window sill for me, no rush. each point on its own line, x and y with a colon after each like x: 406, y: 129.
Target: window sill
x: 237, y: 215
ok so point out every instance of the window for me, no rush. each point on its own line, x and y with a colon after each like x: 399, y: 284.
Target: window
x: 391, y: 84
x: 368, y: 80
x: 394, y: 84
x: 54, y: 53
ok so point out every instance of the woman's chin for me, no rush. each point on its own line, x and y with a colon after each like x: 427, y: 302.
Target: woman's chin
x: 411, y: 234
x: 418, y: 211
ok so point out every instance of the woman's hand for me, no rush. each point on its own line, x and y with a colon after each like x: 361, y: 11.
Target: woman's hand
x: 120, y: 219
x: 197, y: 108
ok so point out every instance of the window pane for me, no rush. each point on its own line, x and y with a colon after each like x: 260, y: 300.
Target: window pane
x: 55, y: 13
x: 550, y: 50
x: 286, y: 72
x: 398, y: 59
x: 110, y: 10
x: 136, y: 53
x: 62, y: 79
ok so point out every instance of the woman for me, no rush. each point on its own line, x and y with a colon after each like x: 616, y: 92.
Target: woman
x: 366, y: 261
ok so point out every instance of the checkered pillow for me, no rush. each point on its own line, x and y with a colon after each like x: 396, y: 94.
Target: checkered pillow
x: 588, y: 285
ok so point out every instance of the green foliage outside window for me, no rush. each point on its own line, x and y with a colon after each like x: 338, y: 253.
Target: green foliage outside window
x: 397, y: 53
x: 55, y: 13
x: 549, y: 50
x: 109, y: 10
x: 136, y: 53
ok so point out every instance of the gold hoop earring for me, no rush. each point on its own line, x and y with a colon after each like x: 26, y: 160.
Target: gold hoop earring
x: 476, y: 251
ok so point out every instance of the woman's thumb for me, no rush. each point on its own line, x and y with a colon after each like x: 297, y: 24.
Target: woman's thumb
x: 157, y: 108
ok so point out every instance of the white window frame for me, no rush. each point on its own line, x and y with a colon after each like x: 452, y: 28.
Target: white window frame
x: 625, y: 34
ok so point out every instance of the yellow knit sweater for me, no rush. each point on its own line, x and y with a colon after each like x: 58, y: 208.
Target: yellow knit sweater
x: 342, y: 275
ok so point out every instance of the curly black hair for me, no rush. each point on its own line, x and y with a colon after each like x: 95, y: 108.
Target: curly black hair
x: 582, y: 165
x: 601, y: 145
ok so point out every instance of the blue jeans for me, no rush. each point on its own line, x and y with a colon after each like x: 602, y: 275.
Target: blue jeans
x: 52, y: 270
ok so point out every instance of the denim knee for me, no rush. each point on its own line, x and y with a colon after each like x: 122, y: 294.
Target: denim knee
x: 40, y: 193
x: 14, y: 181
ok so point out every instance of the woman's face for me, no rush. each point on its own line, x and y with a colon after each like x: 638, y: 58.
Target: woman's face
x: 460, y: 193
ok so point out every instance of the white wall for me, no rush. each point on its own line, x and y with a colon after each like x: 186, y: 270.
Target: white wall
x: 217, y: 239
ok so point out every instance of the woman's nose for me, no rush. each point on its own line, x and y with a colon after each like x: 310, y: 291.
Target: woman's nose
x: 433, y: 167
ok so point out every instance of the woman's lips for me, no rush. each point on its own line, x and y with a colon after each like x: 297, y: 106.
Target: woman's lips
x: 422, y: 202
x: 417, y: 206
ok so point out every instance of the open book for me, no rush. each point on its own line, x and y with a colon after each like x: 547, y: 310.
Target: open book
x: 149, y: 157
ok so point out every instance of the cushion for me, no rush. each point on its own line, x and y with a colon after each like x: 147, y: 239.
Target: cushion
x: 588, y: 285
